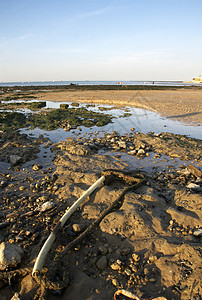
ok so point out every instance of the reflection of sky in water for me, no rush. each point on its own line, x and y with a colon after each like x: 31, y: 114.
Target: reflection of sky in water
x: 141, y: 120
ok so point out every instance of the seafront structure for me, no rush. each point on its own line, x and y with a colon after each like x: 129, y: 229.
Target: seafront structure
x: 197, y: 79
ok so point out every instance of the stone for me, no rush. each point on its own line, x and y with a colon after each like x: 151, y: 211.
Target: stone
x: 115, y: 282
x: 36, y: 167
x: 135, y: 257
x: 198, y: 233
x: 4, y: 224
x: 102, y: 263
x: 132, y: 152
x: 122, y: 144
x: 77, y: 228
x: 128, y: 272
x: 3, y: 183
x: 102, y: 250
x: 141, y: 152
x: 47, y: 206
x: 15, y: 159
x: 193, y: 170
x: 10, y: 255
x: 115, y: 266
x: 16, y: 296
x: 125, y: 251
x: 193, y: 186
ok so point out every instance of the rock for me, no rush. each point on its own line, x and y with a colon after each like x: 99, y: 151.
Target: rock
x: 64, y: 106
x: 115, y: 282
x: 193, y: 186
x: 128, y: 272
x: 102, y: 263
x: 10, y: 255
x: 102, y: 250
x: 152, y: 280
x: 141, y: 152
x: 198, y: 233
x: 22, y: 188
x: 193, y: 170
x: 135, y: 257
x: 77, y: 228
x: 16, y: 296
x: 4, y: 224
x: 15, y: 159
x: 36, y: 167
x: 3, y: 183
x: 125, y: 251
x: 132, y: 152
x: 115, y: 266
x: 47, y: 206
x: 122, y: 144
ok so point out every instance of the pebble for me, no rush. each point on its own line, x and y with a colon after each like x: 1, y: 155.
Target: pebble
x: 16, y: 296
x: 15, y: 159
x: 135, y: 257
x: 22, y: 188
x: 115, y: 282
x: 3, y: 183
x: 47, y: 206
x: 132, y: 152
x: 152, y: 280
x: 77, y: 228
x: 128, y: 272
x: 10, y: 255
x: 102, y: 263
x: 36, y: 167
x: 141, y: 152
x: 193, y: 186
x: 102, y: 250
x: 125, y: 251
x: 115, y: 266
x: 198, y: 233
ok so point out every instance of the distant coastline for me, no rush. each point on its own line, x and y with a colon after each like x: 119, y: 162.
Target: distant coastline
x: 102, y: 83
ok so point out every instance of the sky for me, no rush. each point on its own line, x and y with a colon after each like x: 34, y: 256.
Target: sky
x: 42, y: 40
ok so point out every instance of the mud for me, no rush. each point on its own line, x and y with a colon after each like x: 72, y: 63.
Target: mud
x: 147, y: 245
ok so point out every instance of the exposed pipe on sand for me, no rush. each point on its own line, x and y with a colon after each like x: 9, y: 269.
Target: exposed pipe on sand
x: 47, y: 245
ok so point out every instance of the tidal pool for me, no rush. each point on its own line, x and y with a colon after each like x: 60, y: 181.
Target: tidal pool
x: 140, y: 120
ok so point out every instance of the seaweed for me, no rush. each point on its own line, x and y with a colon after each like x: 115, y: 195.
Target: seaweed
x: 12, y: 120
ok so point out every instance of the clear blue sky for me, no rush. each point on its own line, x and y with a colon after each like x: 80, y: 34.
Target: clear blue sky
x: 100, y: 40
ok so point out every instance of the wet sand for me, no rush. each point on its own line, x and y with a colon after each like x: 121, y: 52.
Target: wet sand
x: 149, y: 244
x: 183, y: 105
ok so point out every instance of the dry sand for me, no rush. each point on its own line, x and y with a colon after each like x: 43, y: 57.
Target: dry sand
x: 184, y: 105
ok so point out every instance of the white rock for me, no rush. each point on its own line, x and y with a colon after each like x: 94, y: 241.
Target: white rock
x: 10, y: 255
x: 15, y: 159
x: 16, y: 297
x: 193, y: 186
x: 46, y: 206
x: 198, y: 233
x: 122, y: 144
x: 132, y: 152
x: 141, y: 152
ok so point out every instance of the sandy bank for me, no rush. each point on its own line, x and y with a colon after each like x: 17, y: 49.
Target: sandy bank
x: 183, y: 105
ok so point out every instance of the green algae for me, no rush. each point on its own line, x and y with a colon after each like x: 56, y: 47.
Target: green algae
x: 29, y: 105
x: 11, y: 120
x: 54, y: 119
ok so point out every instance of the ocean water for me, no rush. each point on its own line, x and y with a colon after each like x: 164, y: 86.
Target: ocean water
x: 52, y: 83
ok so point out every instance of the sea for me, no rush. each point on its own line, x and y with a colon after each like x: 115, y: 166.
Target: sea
x: 88, y: 82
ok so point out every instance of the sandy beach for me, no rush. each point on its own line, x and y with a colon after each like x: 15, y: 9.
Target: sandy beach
x: 140, y: 230
x: 184, y: 105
